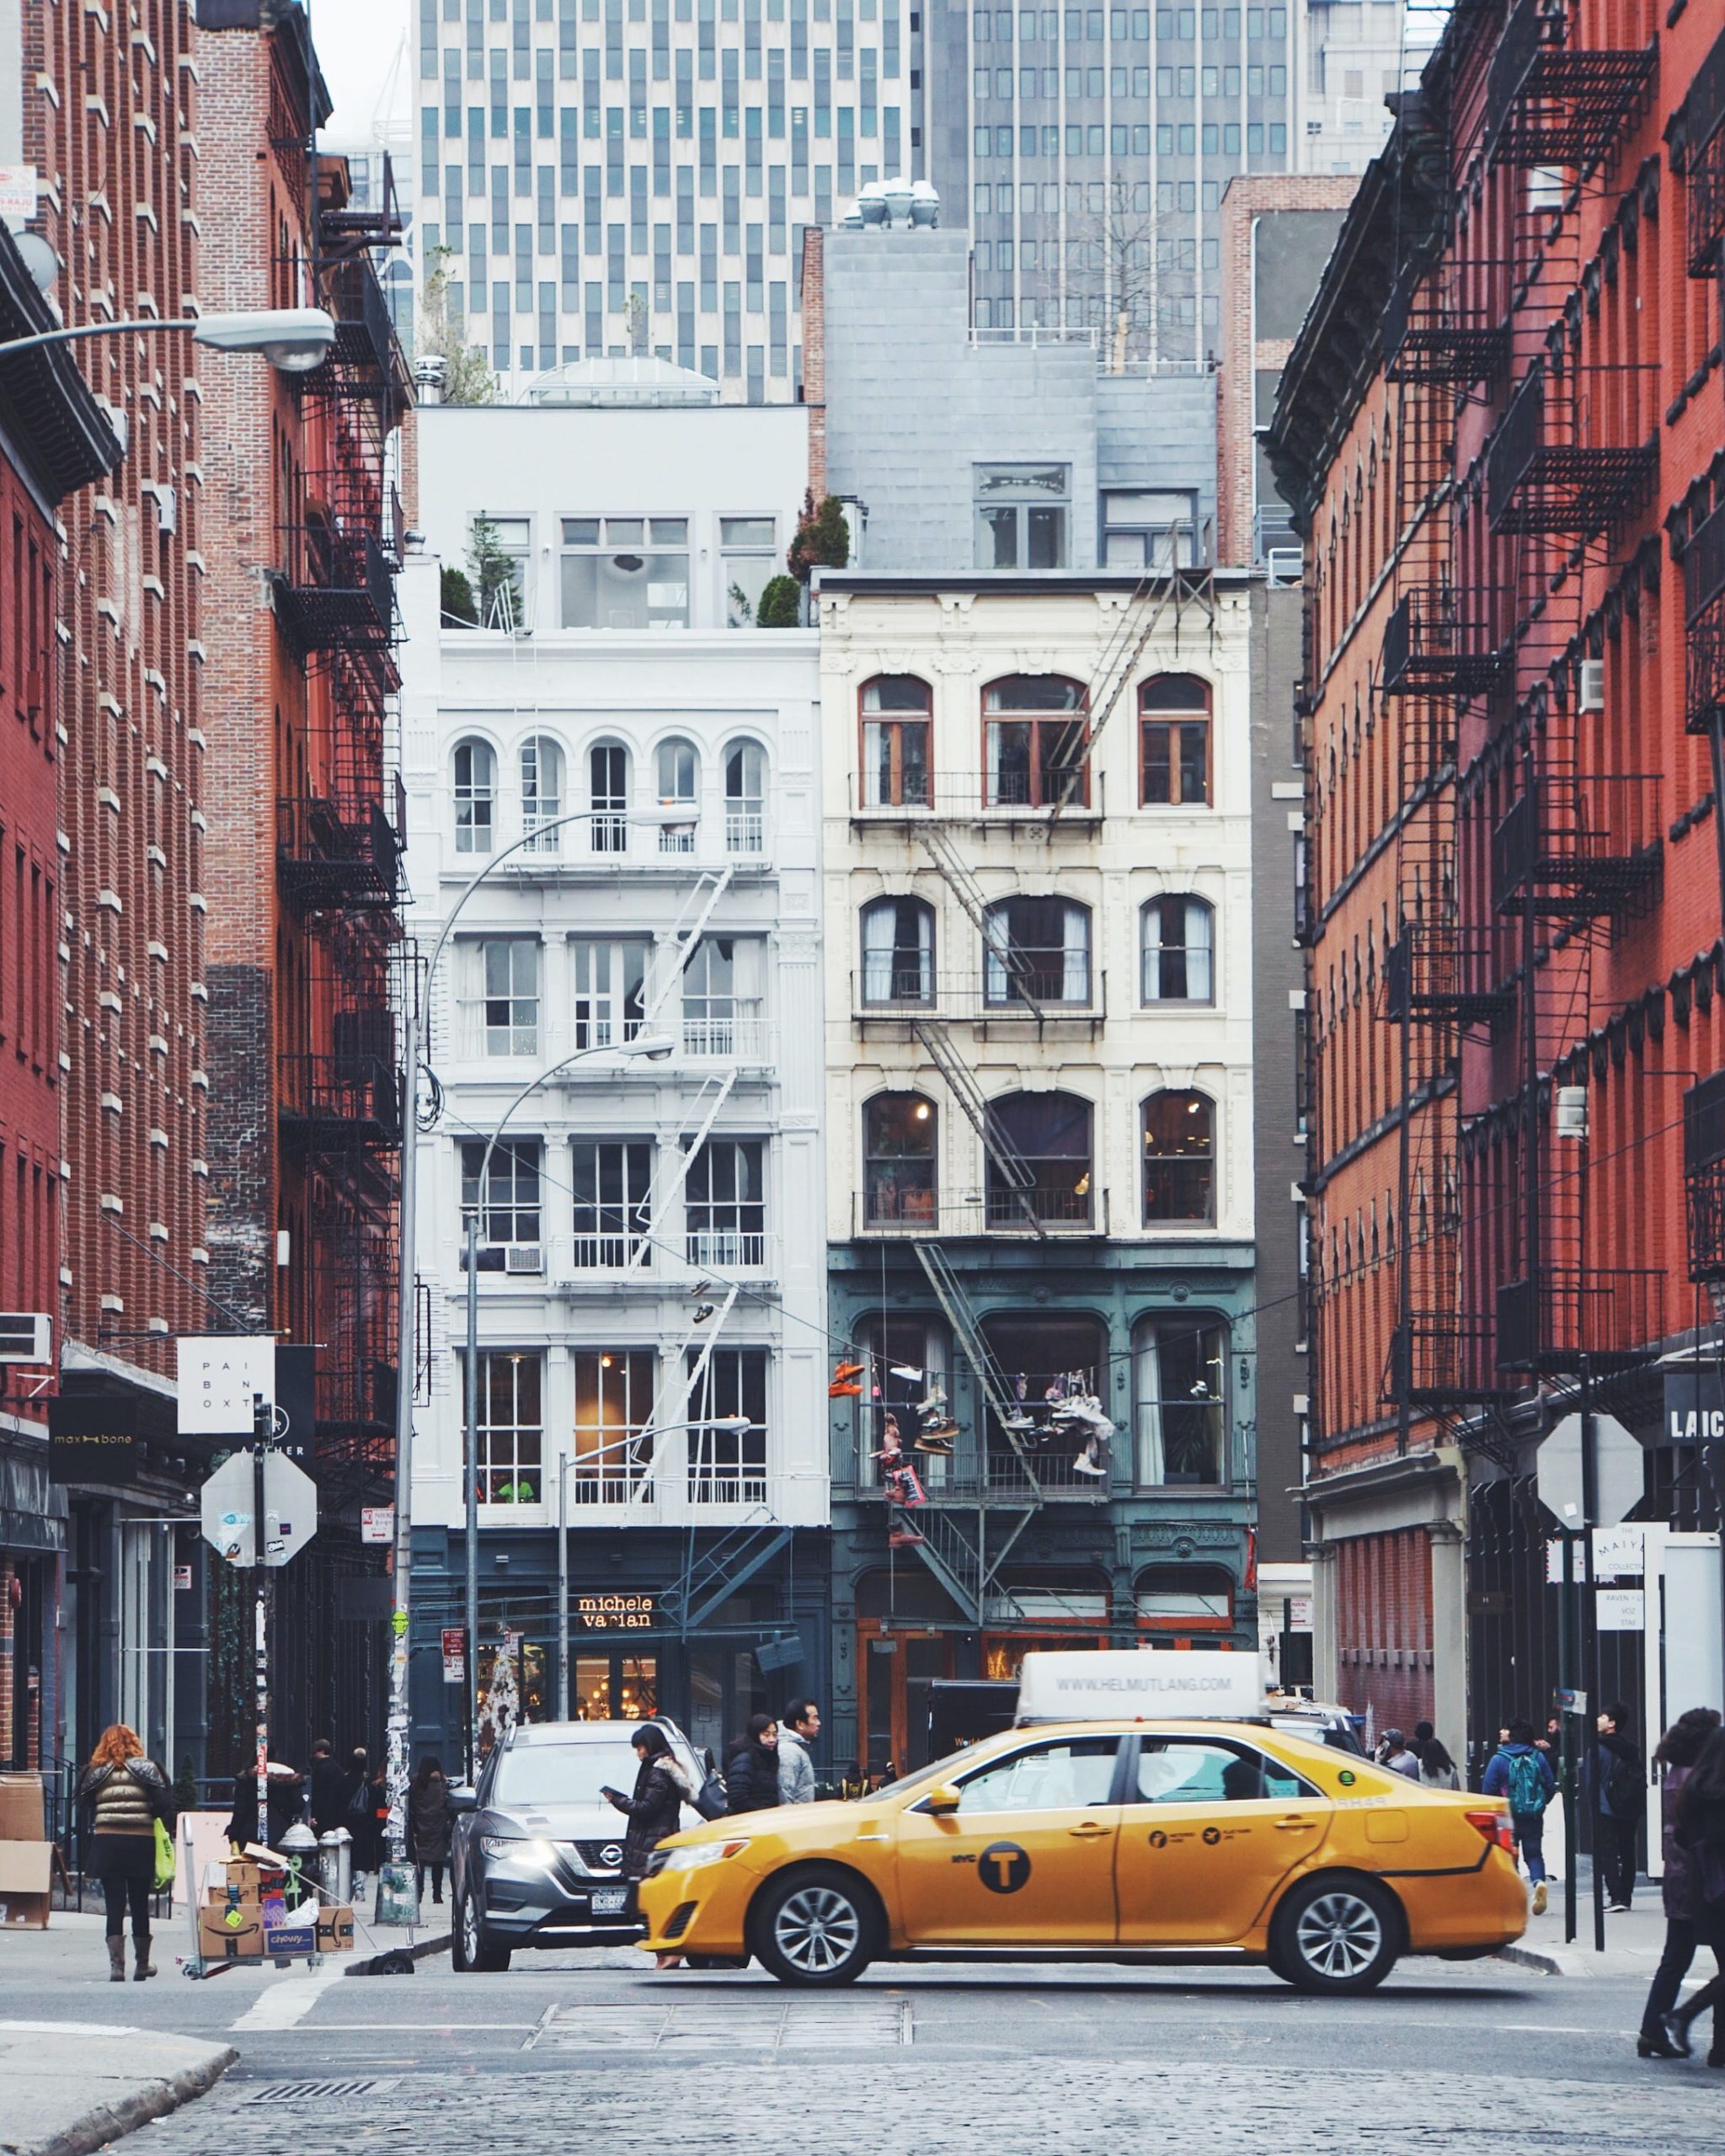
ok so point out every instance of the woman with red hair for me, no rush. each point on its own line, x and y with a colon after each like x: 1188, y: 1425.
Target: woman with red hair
x: 124, y: 1794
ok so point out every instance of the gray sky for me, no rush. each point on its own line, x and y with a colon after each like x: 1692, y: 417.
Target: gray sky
x: 357, y: 43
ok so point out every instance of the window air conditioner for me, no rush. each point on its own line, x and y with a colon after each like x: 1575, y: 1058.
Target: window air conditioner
x: 522, y: 1258
x: 1592, y: 697
x: 26, y: 1336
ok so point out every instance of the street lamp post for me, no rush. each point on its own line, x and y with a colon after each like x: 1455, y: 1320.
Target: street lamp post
x: 656, y: 1047
x: 663, y: 819
x: 294, y: 339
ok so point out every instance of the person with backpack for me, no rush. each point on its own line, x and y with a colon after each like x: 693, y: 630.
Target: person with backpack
x: 1680, y: 1749
x: 1701, y: 1831
x: 1618, y: 1787
x: 1520, y: 1772
x: 124, y: 1794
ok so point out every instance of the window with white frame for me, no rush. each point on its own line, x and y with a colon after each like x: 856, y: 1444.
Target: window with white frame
x: 608, y: 797
x: 510, y: 1423
x: 745, y: 797
x: 475, y: 771
x: 1179, y: 945
x: 727, y: 1464
x: 610, y: 1179
x: 503, y: 1006
x: 626, y: 573
x: 724, y: 1204
x: 1179, y: 1401
x: 747, y: 556
x: 1022, y: 512
x: 723, y: 981
x: 677, y: 764
x: 1149, y: 529
x: 1036, y: 950
x: 508, y: 1209
x: 898, y: 951
x: 612, y: 1447
x: 502, y: 551
x: 542, y: 793
x: 608, y: 990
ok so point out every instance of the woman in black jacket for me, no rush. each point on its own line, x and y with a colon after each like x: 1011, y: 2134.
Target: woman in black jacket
x: 1700, y: 1829
x: 1680, y: 1749
x: 655, y: 1810
x: 751, y: 1772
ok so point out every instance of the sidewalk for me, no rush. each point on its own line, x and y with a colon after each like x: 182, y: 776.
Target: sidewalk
x: 1634, y: 1943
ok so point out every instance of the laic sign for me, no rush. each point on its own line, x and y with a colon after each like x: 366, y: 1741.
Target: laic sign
x: 617, y: 1613
x: 1695, y: 1405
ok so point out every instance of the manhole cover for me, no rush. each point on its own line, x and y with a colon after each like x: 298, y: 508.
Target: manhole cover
x: 318, y: 2092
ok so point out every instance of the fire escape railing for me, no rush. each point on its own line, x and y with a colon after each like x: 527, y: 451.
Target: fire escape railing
x: 1549, y: 102
x: 1437, y: 641
x: 1561, y: 1318
x: 1429, y: 336
x: 1547, y: 469
x: 1704, y: 622
x: 331, y: 853
x: 1703, y: 1176
x: 1703, y: 133
x: 1585, y: 843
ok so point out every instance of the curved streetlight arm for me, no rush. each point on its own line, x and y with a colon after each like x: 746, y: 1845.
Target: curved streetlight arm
x: 15, y: 345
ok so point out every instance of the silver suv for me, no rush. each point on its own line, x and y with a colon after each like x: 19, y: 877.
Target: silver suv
x: 537, y: 1853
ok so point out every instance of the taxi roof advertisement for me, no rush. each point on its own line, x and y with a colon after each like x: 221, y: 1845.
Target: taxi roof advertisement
x: 1137, y: 1683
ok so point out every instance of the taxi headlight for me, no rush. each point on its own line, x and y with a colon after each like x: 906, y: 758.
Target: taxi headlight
x: 695, y: 1857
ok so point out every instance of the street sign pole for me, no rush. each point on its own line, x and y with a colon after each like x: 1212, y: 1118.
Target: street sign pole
x: 1590, y: 1634
x: 1567, y: 1631
x: 263, y: 1418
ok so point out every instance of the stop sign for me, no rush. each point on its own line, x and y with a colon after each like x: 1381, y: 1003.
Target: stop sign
x: 228, y: 1502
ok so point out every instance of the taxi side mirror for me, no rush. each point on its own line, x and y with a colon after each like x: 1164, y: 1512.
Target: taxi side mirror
x: 944, y: 1798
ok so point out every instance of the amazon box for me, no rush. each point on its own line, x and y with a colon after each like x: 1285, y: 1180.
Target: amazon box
x: 335, y: 1930
x: 228, y: 1935
x: 21, y: 1814
x: 234, y: 1871
x: 25, y: 1878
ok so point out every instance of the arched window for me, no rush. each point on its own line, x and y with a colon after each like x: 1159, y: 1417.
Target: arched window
x: 1034, y: 729
x: 1179, y: 942
x: 1173, y: 736
x: 608, y: 789
x: 898, y: 951
x: 1036, y: 951
x: 895, y: 727
x: 1179, y: 1400
x: 542, y: 793
x: 1179, y: 1159
x: 679, y: 767
x: 1038, y: 1161
x: 745, y: 797
x: 899, y: 1136
x: 475, y: 797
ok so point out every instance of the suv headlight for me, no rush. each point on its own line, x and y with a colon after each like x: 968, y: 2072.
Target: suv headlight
x: 519, y: 1849
x: 694, y: 1858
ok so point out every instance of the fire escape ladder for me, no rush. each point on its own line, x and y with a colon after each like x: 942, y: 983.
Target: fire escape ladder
x: 708, y: 1581
x: 958, y: 877
x: 1015, y: 1171
x: 997, y: 1391
x: 1164, y: 587
x: 674, y: 1162
x: 708, y: 888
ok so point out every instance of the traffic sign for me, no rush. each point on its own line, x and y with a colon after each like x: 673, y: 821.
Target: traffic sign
x: 1619, y: 1481
x: 228, y: 1500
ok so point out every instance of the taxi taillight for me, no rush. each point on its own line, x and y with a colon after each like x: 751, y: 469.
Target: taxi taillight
x: 1495, y: 1828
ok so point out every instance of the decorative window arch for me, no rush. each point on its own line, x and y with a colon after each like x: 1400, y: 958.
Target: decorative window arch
x: 895, y: 712
x: 901, y: 1173
x: 541, y: 765
x: 1174, y: 742
x: 608, y: 796
x: 1049, y: 1136
x: 475, y: 773
x: 745, y: 797
x: 1035, y: 733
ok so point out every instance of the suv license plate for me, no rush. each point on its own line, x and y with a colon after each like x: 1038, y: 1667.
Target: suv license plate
x: 610, y: 1901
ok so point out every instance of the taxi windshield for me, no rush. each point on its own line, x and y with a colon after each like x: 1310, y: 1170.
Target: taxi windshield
x: 942, y: 1771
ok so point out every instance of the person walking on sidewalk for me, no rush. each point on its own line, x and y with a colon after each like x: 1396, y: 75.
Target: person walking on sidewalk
x: 1520, y: 1772
x: 1700, y: 1829
x: 1678, y: 1749
x: 1618, y: 1787
x: 797, y: 1732
x: 123, y: 1794
x: 430, y: 1827
x: 751, y: 1771
x: 655, y: 1809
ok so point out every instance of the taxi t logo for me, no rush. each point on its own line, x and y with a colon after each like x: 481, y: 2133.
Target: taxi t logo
x: 1004, y: 1867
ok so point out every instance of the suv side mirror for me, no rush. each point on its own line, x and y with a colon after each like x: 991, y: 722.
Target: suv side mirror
x: 464, y: 1800
x: 942, y: 1799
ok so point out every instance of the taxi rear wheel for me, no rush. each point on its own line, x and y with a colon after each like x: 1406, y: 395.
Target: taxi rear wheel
x: 1336, y: 1935
x: 815, y: 1927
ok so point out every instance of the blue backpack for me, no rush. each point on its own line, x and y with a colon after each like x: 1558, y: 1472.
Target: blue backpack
x: 1528, y: 1793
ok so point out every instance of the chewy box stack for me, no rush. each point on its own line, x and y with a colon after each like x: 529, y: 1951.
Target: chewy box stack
x: 244, y: 1916
x: 25, y: 1855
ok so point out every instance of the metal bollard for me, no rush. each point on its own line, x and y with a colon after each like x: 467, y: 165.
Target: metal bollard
x: 335, y: 1864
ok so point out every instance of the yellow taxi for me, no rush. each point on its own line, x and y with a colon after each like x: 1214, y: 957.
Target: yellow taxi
x: 1173, y: 1840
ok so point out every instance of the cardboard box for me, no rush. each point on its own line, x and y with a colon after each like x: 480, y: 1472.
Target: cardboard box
x: 23, y: 1818
x: 238, y: 1871
x: 220, y: 1941
x: 335, y: 1930
x: 25, y: 1875
x: 293, y: 1938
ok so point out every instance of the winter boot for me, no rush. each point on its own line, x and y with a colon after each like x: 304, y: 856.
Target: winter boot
x: 116, y: 1961
x: 141, y: 1950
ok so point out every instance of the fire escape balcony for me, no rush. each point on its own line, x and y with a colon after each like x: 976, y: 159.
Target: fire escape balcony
x: 1704, y: 162
x: 1546, y: 470
x: 366, y: 360
x: 1427, y: 338
x: 1442, y: 1359
x: 1577, y: 846
x: 1438, y: 642
x: 1550, y: 102
x: 1439, y: 971
x: 340, y: 595
x: 1704, y: 618
x: 341, y: 1103
x: 1703, y: 1176
x: 334, y: 855
x: 1563, y: 1318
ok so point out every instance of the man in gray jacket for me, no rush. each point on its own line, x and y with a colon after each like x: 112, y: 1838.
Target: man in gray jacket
x: 797, y: 1731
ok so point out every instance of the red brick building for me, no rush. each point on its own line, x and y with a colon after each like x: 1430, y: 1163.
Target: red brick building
x: 54, y: 438
x: 303, y: 842
x: 1504, y: 432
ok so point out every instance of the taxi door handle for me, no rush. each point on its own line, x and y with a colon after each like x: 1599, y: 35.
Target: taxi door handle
x: 1295, y: 1826
x: 1088, y: 1830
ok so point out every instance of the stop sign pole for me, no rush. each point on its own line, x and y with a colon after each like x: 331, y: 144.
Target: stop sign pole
x: 263, y: 1427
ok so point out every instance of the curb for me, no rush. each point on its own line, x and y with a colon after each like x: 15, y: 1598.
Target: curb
x: 422, y: 1948
x: 155, y: 2100
x: 1534, y: 1957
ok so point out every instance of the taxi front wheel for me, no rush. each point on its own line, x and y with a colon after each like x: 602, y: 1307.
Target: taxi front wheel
x: 815, y: 1927
x: 1336, y: 1935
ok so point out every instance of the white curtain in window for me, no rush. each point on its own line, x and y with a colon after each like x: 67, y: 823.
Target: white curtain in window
x: 1147, y: 1412
x: 1075, y: 986
x: 880, y: 928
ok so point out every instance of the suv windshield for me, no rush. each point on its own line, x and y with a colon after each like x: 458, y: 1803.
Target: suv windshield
x: 563, y: 1774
